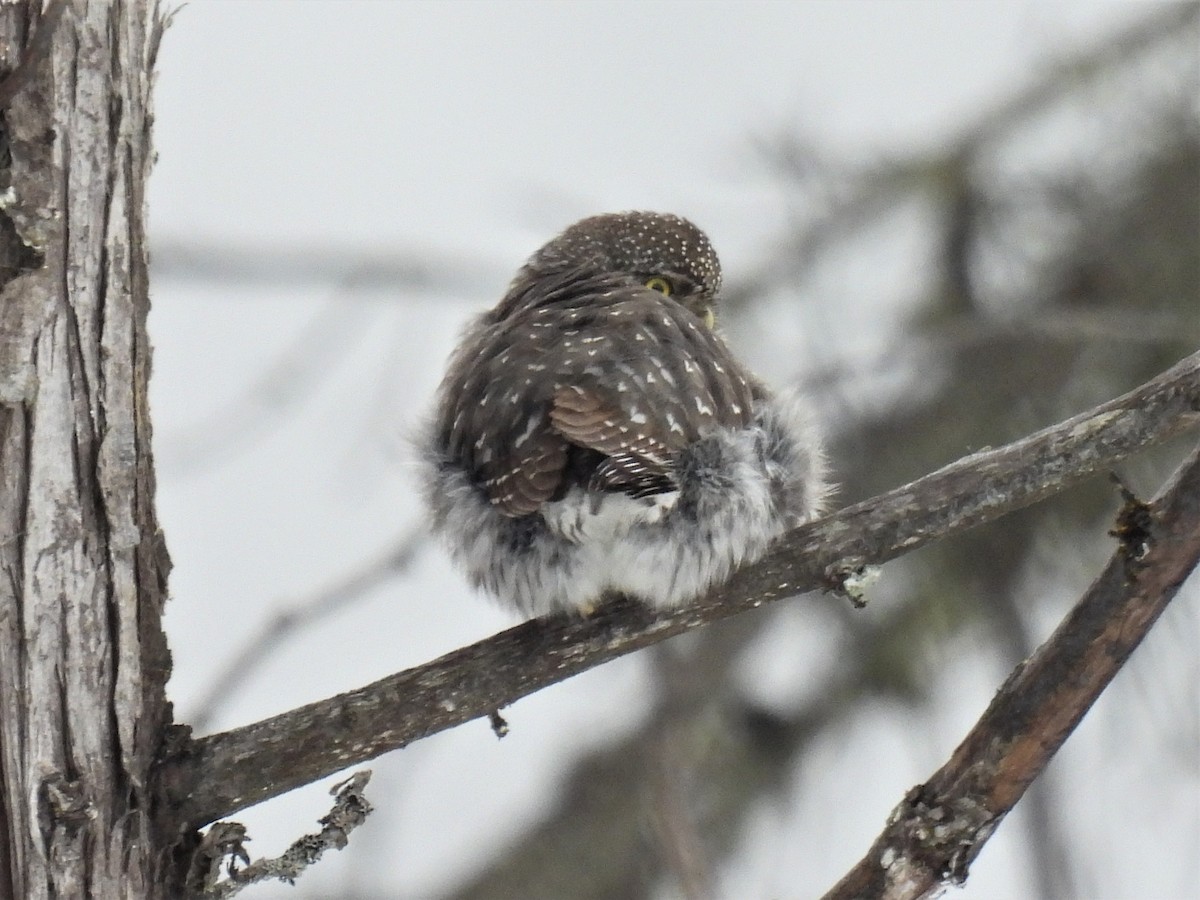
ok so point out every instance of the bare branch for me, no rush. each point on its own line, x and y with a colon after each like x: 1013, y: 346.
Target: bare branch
x: 222, y: 773
x: 321, y: 348
x: 1082, y: 68
x: 737, y: 753
x: 940, y: 826
x: 355, y: 269
x: 848, y: 196
x: 224, y: 842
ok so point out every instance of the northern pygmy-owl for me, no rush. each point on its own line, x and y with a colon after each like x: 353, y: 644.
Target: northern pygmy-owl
x: 594, y: 435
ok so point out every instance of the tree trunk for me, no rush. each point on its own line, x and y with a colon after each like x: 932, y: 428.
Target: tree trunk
x: 83, y: 661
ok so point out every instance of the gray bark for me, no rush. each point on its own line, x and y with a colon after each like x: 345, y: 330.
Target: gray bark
x: 83, y: 661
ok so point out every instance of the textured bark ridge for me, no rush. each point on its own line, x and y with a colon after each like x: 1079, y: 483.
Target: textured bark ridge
x: 83, y: 663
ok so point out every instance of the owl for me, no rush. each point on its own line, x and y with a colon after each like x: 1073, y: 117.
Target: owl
x: 594, y: 435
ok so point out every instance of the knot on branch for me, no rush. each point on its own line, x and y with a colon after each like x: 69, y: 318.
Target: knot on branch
x: 223, y: 841
x: 850, y: 578
x: 64, y: 803
x: 350, y: 810
x: 1133, y: 529
x: 499, y: 724
x: 935, y: 836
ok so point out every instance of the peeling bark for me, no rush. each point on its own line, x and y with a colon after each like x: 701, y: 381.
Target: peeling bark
x: 83, y: 661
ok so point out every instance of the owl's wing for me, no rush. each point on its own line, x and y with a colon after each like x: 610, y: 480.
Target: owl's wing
x: 493, y: 417
x: 603, y: 391
x: 634, y: 460
x: 641, y: 385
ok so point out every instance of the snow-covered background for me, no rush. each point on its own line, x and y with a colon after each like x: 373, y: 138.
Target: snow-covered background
x: 461, y: 136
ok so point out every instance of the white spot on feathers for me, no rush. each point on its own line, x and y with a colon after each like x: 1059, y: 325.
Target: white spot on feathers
x: 530, y: 427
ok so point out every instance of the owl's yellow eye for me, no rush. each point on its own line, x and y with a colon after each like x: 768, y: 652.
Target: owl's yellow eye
x: 659, y: 284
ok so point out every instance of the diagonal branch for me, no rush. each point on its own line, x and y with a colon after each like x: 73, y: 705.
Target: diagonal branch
x: 940, y: 826
x: 219, y: 774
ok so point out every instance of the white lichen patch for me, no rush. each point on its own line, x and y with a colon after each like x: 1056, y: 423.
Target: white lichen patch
x: 855, y: 584
x: 1096, y: 423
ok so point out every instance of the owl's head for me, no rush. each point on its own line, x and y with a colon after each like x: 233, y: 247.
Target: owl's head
x: 659, y: 251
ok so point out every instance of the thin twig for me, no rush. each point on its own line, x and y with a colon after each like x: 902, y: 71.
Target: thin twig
x: 308, y: 363
x: 224, y: 845
x: 302, y: 614
x: 852, y: 196
x: 359, y: 270
x: 940, y: 827
x: 222, y: 773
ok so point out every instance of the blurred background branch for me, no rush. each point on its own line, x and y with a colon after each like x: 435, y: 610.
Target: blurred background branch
x: 932, y: 837
x: 221, y: 774
x: 294, y: 617
x: 936, y: 298
x: 1046, y: 284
